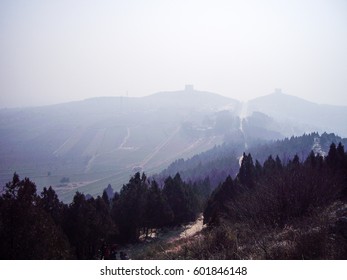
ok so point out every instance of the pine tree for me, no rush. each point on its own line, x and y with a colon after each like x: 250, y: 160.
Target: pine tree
x: 246, y: 175
x: 157, y: 212
x: 181, y: 200
x: 130, y: 208
x: 27, y: 231
x: 217, y: 205
x: 332, y: 158
x: 52, y: 205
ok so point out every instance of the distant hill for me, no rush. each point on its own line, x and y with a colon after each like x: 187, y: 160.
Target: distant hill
x: 189, y: 98
x: 301, y: 113
x: 86, y: 145
x: 105, y: 140
x: 224, y: 160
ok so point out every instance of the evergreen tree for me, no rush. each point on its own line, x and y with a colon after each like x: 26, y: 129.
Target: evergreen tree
x: 130, y: 208
x: 157, y: 212
x: 258, y: 169
x: 87, y: 223
x: 278, y: 161
x: 217, y: 205
x: 27, y: 231
x: 52, y: 205
x: 332, y: 158
x: 106, y: 198
x: 246, y: 174
x: 181, y: 200
x: 202, y: 191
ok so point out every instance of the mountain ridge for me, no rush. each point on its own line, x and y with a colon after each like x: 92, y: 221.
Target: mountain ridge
x: 103, y: 140
x: 317, y: 117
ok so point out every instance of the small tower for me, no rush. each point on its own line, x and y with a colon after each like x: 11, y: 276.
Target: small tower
x: 189, y: 88
x: 278, y: 91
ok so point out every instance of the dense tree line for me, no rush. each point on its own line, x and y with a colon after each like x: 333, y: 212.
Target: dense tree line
x: 40, y: 226
x: 277, y: 210
x: 275, y: 193
x: 223, y: 160
x: 272, y: 194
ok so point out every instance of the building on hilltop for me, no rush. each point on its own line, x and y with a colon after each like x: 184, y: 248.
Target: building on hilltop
x: 189, y: 88
x: 278, y: 91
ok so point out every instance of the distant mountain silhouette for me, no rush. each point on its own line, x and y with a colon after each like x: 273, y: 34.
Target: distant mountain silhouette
x: 104, y: 140
x: 308, y: 115
x: 191, y: 98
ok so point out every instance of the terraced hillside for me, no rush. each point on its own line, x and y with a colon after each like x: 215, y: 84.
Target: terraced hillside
x: 104, y: 140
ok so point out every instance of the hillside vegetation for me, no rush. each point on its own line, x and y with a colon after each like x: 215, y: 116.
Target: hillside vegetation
x: 105, y: 140
x: 270, y: 210
x: 224, y: 160
x: 40, y: 226
x: 273, y: 211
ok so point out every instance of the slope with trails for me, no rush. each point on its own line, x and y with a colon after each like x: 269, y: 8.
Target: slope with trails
x: 101, y: 140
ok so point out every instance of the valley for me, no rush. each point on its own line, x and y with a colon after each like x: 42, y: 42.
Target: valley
x: 103, y: 141
x: 185, y: 182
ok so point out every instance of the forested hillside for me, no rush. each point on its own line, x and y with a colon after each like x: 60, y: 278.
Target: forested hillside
x: 224, y: 160
x: 296, y: 210
x: 40, y: 226
x: 272, y: 210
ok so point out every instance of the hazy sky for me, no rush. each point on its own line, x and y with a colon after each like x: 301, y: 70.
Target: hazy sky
x: 63, y: 50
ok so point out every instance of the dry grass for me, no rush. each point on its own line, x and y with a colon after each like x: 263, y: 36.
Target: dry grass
x: 314, y: 236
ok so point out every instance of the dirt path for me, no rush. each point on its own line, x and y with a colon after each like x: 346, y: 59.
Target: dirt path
x: 190, y: 230
x: 171, y: 238
x: 125, y: 140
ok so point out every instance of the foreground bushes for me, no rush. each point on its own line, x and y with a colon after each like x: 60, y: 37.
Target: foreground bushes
x: 281, y: 211
x: 296, y: 210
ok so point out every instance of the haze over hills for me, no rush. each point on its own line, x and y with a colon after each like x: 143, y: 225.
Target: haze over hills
x: 300, y: 112
x: 104, y: 140
x: 98, y: 141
